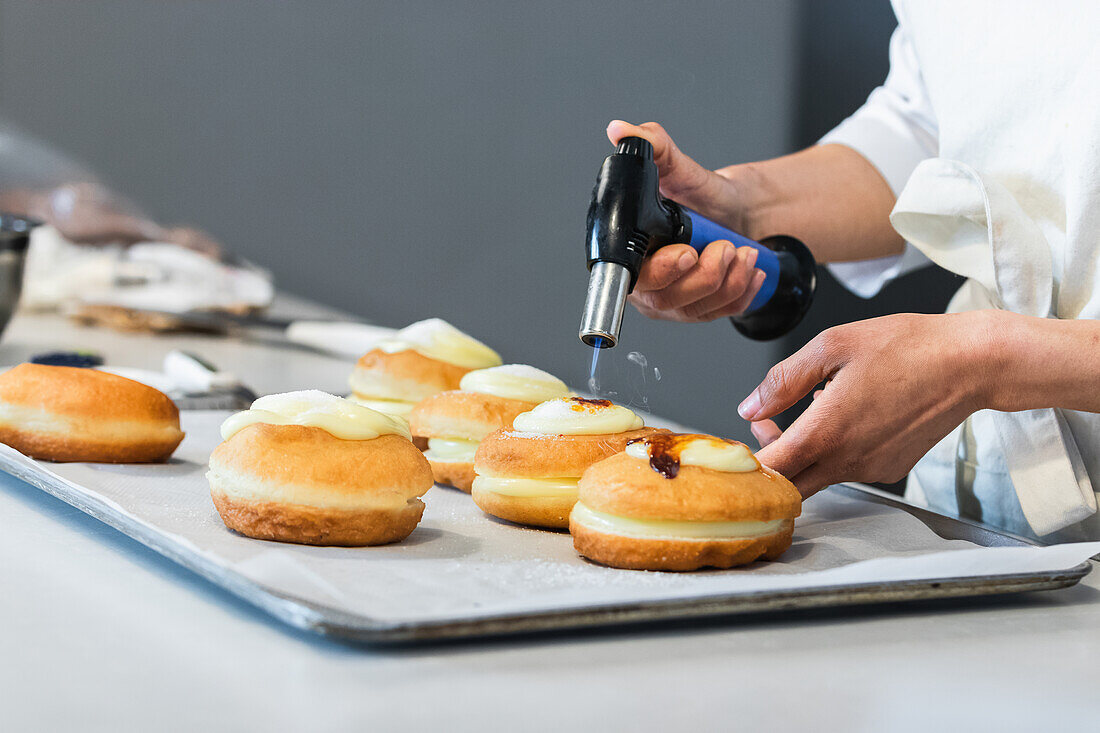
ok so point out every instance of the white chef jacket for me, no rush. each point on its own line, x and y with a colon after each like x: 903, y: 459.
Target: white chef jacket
x: 988, y: 130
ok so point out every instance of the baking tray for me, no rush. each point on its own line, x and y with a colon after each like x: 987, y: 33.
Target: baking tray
x: 303, y: 613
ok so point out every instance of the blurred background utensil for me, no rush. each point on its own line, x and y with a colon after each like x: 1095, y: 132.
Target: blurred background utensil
x: 15, y: 234
x: 348, y: 339
x: 193, y: 383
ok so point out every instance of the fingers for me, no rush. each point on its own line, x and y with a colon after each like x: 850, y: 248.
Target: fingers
x: 682, y: 179
x: 791, y: 379
x: 715, y: 285
x: 817, y: 450
x: 738, y: 306
x: 743, y: 281
x: 618, y: 129
x: 789, y: 453
x: 814, y: 479
x: 766, y: 432
x: 736, y: 278
x: 665, y: 266
x: 705, y: 278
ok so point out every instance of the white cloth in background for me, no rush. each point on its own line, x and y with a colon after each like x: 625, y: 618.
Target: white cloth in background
x: 157, y: 276
x: 988, y: 128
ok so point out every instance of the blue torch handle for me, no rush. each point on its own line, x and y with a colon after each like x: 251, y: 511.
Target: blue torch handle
x: 704, y: 231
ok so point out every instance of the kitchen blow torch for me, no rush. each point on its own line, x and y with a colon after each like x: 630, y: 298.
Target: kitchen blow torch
x: 629, y: 220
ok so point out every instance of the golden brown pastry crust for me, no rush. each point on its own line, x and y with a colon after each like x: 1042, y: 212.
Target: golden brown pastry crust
x: 627, y: 487
x: 388, y: 467
x: 309, y: 456
x: 456, y: 474
x: 525, y: 455
x: 69, y: 449
x: 91, y: 403
x: 633, y: 553
x: 73, y: 392
x: 535, y: 511
x: 315, y: 526
x: 464, y: 415
x: 405, y: 375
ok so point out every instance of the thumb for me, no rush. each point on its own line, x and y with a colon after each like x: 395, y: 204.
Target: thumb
x: 682, y: 179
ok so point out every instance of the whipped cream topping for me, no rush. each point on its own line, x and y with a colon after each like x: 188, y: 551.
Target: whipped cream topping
x: 669, y: 528
x: 515, y: 382
x: 577, y: 416
x: 437, y: 339
x: 702, y: 451
x: 342, y: 418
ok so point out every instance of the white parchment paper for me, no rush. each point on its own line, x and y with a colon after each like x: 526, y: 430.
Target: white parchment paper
x: 460, y: 564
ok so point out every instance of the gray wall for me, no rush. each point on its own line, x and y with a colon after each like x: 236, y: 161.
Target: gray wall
x: 410, y: 159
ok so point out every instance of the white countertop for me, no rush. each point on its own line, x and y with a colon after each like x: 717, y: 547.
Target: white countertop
x: 99, y: 633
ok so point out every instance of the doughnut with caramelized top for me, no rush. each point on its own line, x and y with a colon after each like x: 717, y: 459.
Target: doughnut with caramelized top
x: 683, y: 502
x: 59, y: 413
x: 529, y: 474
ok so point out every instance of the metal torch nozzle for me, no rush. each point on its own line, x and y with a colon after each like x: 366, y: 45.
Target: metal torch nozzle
x: 608, y: 286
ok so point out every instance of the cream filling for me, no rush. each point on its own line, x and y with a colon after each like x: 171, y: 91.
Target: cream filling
x: 451, y: 450
x: 106, y: 430
x: 341, y: 418
x: 670, y: 529
x: 243, y: 487
x: 515, y: 382
x: 368, y: 384
x: 437, y: 339
x: 531, y: 488
x: 573, y: 416
x: 706, y: 453
x: 396, y: 408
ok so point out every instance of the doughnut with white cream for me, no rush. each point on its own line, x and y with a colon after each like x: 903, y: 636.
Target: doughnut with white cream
x: 455, y: 422
x: 422, y: 359
x: 529, y: 474
x: 313, y: 468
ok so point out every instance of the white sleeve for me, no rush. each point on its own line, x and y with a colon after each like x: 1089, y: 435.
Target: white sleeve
x: 894, y: 130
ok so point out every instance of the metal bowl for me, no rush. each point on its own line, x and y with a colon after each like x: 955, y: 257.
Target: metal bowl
x: 15, y: 234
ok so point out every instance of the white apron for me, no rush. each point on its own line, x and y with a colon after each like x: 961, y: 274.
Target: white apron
x: 1012, y: 203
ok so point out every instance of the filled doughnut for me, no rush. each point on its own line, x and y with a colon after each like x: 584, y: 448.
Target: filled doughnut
x: 59, y: 413
x: 683, y: 502
x: 455, y: 422
x: 313, y: 468
x: 422, y: 359
x: 529, y: 473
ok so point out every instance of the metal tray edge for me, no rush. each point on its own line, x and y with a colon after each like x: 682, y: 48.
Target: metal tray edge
x: 304, y: 615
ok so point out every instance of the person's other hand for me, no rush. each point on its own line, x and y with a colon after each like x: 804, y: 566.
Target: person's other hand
x: 894, y: 387
x: 676, y: 283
